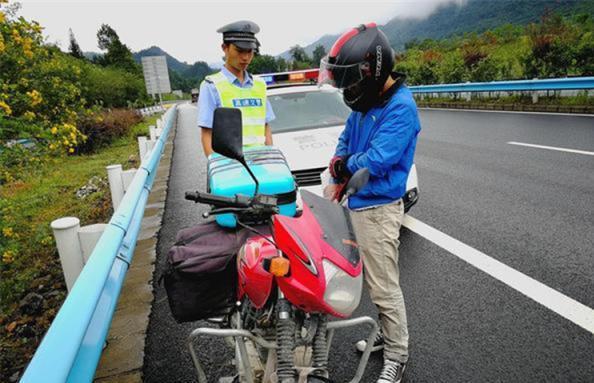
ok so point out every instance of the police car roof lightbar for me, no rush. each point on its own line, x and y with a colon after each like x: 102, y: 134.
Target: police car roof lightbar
x: 305, y: 76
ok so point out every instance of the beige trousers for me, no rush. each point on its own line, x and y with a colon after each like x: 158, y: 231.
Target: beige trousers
x: 377, y: 231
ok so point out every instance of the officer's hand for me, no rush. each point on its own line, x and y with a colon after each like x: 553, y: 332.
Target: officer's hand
x: 338, y: 168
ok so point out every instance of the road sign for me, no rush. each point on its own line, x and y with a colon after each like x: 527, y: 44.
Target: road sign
x: 156, y: 76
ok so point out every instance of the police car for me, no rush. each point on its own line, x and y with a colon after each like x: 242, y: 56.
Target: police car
x: 309, y: 120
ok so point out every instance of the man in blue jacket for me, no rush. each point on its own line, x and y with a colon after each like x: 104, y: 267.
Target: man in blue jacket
x: 380, y: 135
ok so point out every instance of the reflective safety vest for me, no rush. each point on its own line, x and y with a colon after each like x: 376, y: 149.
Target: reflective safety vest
x: 251, y: 102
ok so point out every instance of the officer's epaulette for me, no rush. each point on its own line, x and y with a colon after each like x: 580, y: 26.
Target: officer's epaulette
x: 208, y: 80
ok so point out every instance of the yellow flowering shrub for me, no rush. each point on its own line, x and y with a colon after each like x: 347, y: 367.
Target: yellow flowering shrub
x: 4, y: 108
x: 47, y: 96
x: 35, y: 97
x: 8, y: 257
x: 39, y: 85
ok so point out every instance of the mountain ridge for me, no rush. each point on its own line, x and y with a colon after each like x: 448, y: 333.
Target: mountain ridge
x: 457, y: 18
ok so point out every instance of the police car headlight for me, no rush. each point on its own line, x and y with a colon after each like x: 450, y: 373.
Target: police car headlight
x: 343, y: 292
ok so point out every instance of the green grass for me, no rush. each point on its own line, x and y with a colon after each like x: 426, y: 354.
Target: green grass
x: 27, y: 207
x: 173, y: 97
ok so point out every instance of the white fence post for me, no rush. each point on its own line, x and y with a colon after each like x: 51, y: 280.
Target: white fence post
x: 114, y: 176
x: 150, y: 144
x: 66, y: 235
x: 88, y: 237
x: 153, y: 132
x: 142, y: 147
x: 127, y: 177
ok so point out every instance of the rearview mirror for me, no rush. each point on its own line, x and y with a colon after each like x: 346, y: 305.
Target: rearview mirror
x: 227, y: 137
x: 357, y: 181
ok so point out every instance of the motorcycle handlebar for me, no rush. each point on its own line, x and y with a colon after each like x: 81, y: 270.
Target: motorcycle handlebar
x: 219, y: 201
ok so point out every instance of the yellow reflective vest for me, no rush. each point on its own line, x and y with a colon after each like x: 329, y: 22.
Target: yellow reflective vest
x: 251, y: 102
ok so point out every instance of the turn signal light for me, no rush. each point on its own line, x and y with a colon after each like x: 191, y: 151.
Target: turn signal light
x: 277, y: 266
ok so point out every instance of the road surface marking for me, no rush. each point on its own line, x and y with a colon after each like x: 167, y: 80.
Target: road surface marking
x: 552, y: 148
x: 563, y: 305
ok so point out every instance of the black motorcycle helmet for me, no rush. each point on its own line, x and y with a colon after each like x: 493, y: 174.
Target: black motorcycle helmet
x: 359, y: 63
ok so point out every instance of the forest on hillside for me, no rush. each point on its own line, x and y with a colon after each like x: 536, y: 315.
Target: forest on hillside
x: 556, y: 46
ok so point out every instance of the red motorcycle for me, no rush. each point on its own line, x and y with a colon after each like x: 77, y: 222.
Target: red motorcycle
x: 293, y: 274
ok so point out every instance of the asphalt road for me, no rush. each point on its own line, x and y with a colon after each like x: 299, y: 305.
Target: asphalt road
x: 531, y: 209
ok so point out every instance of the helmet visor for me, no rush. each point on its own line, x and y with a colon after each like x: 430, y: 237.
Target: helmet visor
x: 341, y: 76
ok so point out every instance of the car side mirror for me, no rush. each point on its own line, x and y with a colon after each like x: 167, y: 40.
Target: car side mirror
x: 227, y: 135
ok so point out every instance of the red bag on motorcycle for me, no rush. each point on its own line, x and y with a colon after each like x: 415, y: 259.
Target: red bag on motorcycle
x: 201, y: 275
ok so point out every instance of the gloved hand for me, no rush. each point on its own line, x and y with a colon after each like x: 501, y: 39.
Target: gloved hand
x: 338, y: 168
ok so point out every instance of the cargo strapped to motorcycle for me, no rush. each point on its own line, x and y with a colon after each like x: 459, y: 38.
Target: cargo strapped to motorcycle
x: 200, y: 277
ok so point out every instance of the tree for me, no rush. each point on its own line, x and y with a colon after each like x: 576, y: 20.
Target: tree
x: 553, y: 43
x: 318, y: 54
x: 118, y: 54
x: 300, y: 59
x: 107, y: 37
x: 196, y: 73
x: 264, y: 64
x: 282, y: 64
x: 74, y: 48
x: 298, y: 53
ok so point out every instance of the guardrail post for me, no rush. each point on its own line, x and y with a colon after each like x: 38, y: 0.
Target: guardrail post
x: 88, y: 237
x: 153, y: 132
x: 535, y: 97
x: 66, y: 235
x: 127, y: 177
x: 116, y: 185
x: 142, y: 147
x: 159, y: 130
x: 150, y: 144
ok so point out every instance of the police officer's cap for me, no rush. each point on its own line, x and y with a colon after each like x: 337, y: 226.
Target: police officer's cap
x: 241, y: 33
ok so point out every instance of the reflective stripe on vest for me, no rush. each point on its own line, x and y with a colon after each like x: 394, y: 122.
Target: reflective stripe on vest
x: 252, y: 103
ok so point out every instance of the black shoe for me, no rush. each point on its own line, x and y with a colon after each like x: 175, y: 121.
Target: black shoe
x: 392, y: 372
x: 378, y: 343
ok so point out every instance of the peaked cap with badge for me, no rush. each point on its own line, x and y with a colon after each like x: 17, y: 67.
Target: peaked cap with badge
x: 241, y: 33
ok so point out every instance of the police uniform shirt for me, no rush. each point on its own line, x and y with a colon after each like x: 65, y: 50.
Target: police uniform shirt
x: 209, y: 99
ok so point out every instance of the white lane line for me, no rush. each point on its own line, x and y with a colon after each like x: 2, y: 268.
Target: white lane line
x: 563, y: 305
x: 552, y: 148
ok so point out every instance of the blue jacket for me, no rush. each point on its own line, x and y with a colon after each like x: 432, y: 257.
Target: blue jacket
x: 382, y: 140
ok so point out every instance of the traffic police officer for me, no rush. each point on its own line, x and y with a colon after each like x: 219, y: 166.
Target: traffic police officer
x: 234, y: 87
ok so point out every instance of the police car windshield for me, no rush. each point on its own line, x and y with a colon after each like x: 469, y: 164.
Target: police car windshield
x: 307, y: 110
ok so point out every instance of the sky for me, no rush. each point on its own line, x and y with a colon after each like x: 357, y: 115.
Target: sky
x: 187, y: 29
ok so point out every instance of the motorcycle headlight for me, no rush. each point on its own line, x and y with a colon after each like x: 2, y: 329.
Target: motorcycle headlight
x: 343, y: 292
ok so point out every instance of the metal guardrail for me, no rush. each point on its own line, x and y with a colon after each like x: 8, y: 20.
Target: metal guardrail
x: 571, y: 83
x: 71, y: 348
x: 149, y: 111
